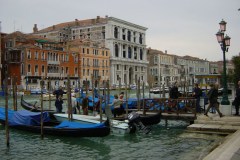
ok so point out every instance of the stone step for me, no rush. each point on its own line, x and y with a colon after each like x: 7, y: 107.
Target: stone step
x: 233, y: 123
x: 213, y: 127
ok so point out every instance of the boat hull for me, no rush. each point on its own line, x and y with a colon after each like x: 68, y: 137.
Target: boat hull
x: 118, y: 127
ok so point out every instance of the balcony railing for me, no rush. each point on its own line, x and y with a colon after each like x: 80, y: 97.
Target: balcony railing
x: 53, y: 74
x: 53, y: 62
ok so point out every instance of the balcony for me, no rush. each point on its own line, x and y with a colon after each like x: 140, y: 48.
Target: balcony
x: 53, y: 74
x: 53, y: 62
x: 36, y: 74
x: 29, y: 74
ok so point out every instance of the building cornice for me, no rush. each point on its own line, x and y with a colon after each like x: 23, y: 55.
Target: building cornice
x: 126, y: 23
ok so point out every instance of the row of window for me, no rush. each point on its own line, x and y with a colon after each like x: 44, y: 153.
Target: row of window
x: 95, y: 62
x: 128, y: 35
x: 95, y: 73
x: 63, y: 57
x: 64, y: 70
x: 128, y: 52
x: 125, y: 68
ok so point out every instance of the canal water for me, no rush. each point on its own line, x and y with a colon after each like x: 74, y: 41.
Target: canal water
x: 170, y: 142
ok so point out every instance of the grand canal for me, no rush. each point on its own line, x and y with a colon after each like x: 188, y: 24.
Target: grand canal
x: 164, y: 142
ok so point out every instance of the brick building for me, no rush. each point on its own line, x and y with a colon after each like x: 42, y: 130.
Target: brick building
x: 31, y: 58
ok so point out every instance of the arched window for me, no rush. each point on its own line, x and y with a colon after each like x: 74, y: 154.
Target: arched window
x: 140, y: 38
x: 116, y: 50
x: 141, y: 54
x: 129, y: 52
x: 115, y: 32
x: 129, y: 36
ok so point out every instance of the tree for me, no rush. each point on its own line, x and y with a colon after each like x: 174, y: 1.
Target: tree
x: 236, y: 63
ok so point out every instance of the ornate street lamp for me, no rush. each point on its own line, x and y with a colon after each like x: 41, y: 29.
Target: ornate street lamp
x: 224, y: 42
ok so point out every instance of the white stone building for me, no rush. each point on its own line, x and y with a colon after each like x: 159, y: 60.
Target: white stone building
x: 126, y: 41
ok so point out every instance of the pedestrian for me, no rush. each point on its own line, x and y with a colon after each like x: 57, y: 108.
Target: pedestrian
x: 197, y: 93
x: 59, y: 92
x: 174, y: 91
x: 121, y: 98
x: 213, y: 102
x: 74, y: 104
x: 116, y: 104
x: 58, y: 104
x: 85, y: 105
x: 237, y: 99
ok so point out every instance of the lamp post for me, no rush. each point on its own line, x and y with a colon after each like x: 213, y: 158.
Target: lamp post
x: 224, y: 42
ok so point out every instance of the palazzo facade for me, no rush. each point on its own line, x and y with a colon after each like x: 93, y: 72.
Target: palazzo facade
x: 126, y: 42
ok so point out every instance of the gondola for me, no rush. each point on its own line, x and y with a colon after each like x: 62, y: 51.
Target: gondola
x: 150, y: 119
x: 33, y: 107
x: 147, y: 120
x: 30, y: 121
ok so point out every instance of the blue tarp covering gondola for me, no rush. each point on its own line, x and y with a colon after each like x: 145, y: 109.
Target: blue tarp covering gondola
x: 2, y: 113
x: 67, y: 124
x: 25, y: 117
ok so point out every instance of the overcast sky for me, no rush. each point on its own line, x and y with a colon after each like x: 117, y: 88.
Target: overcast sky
x: 182, y: 27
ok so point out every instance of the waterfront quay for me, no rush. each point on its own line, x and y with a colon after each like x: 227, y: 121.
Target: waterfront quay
x: 229, y: 148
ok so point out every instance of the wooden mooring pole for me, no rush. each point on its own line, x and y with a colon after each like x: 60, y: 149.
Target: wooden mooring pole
x: 49, y: 93
x: 126, y: 98
x: 70, y: 116
x: 14, y: 94
x: 6, y: 111
x: 41, y: 83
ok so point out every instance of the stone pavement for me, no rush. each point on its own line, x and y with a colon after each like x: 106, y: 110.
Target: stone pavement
x: 229, y: 125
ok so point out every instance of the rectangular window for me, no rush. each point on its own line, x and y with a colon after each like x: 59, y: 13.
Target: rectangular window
x: 36, y: 68
x: 66, y: 70
x: 43, y: 56
x: 36, y: 55
x: 43, y: 69
x: 29, y: 54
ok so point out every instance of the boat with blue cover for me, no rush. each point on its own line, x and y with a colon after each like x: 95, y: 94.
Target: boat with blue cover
x: 131, y: 104
x: 31, y: 121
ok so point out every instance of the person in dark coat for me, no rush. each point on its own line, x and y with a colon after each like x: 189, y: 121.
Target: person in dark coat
x: 59, y: 92
x: 174, y: 92
x: 197, y: 93
x: 85, y: 105
x: 58, y: 104
x: 237, y: 99
x: 213, y: 102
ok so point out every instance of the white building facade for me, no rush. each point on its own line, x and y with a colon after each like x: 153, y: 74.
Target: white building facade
x: 126, y: 41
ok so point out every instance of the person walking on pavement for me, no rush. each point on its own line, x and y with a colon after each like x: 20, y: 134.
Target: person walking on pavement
x: 213, y: 102
x: 197, y: 93
x: 237, y: 99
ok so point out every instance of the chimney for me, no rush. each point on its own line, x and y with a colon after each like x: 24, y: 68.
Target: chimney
x: 76, y: 22
x: 98, y: 19
x: 165, y: 51
x: 93, y: 21
x: 35, y: 29
x: 53, y: 27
